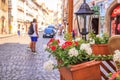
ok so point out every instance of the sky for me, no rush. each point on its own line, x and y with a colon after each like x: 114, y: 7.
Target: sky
x: 51, y: 4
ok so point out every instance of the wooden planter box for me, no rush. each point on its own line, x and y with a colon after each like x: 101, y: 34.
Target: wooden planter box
x: 100, y: 49
x: 85, y: 71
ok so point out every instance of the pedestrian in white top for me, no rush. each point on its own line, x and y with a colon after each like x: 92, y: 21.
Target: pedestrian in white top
x: 34, y: 36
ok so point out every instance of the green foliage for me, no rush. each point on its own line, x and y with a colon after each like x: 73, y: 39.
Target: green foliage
x: 103, y: 57
x: 64, y: 59
x: 99, y: 39
x: 92, y: 35
x: 68, y: 36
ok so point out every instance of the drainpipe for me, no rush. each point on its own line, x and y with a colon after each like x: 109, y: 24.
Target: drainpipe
x: 70, y: 15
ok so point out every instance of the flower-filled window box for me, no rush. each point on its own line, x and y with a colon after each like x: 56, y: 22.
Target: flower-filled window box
x: 99, y: 44
x: 82, y: 71
x: 74, y: 57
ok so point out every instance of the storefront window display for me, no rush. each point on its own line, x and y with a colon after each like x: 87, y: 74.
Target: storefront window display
x: 115, y: 23
x: 102, y: 6
x: 113, y: 27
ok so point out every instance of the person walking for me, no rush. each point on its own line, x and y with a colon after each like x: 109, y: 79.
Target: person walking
x: 18, y: 31
x: 34, y: 36
x: 73, y: 34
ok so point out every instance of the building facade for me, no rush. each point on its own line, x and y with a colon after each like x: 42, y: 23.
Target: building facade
x: 112, y: 17
x: 4, y: 17
x: 22, y: 12
x: 58, y: 13
x: 104, y: 20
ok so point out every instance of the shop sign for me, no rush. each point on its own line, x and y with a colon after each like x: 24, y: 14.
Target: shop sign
x: 96, y: 10
x: 116, y: 11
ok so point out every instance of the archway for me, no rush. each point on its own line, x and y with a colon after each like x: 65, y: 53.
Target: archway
x: 108, y: 17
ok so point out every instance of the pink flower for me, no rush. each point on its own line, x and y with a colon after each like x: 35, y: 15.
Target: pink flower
x: 114, y: 75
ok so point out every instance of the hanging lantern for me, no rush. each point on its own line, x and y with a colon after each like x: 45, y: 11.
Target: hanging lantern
x: 83, y: 11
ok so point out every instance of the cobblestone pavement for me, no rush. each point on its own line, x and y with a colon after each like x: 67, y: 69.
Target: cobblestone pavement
x: 18, y: 63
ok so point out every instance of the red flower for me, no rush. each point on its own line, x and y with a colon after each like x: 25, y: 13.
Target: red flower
x: 68, y: 43
x: 63, y: 46
x: 51, y: 40
x: 58, y: 41
x: 53, y: 48
x: 76, y: 43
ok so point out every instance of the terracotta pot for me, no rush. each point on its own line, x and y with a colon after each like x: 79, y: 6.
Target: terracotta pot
x: 85, y: 71
x: 100, y: 49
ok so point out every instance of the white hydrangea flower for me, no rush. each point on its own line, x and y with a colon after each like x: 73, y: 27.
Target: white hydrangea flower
x: 73, y: 52
x: 49, y: 65
x: 117, y: 52
x: 86, y: 47
x: 89, y: 51
x: 44, y: 46
x: 92, y: 41
x: 116, y: 56
x: 83, y: 46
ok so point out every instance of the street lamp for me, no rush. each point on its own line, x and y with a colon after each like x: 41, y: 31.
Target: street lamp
x: 83, y: 11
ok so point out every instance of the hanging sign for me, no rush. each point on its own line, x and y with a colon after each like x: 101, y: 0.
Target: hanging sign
x: 116, y: 11
x: 96, y: 10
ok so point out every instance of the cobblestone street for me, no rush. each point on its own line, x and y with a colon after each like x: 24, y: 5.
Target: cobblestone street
x: 18, y: 63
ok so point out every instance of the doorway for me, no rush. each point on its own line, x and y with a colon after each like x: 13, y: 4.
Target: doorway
x: 117, y: 29
x: 95, y: 24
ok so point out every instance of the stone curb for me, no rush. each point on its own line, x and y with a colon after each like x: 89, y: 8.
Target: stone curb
x: 6, y: 35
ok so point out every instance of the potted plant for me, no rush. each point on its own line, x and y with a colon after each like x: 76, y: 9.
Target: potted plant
x: 99, y: 43
x: 75, y: 58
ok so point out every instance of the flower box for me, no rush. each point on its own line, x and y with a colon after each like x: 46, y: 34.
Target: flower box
x: 100, y: 49
x: 75, y: 61
x: 85, y: 71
